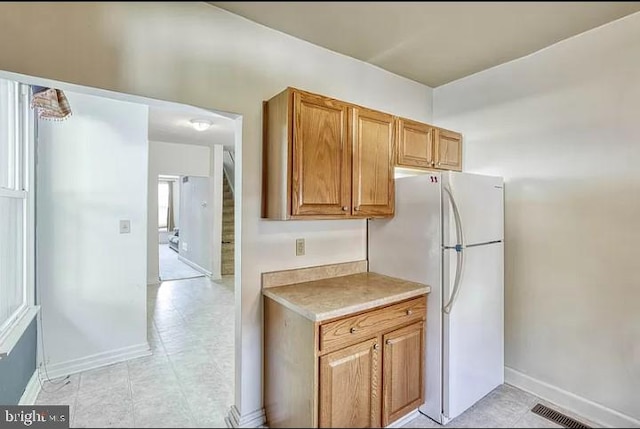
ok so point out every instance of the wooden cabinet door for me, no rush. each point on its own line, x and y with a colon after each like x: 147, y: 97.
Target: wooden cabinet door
x: 448, y: 150
x: 321, y: 161
x: 349, y: 387
x: 402, y: 387
x: 373, y: 147
x: 415, y: 144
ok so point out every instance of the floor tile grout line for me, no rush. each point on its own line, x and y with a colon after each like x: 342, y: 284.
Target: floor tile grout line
x: 171, y: 363
x: 133, y: 411
x: 180, y: 388
x: 75, y: 402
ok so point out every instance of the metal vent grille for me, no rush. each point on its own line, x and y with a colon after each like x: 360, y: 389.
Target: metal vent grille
x: 559, y: 418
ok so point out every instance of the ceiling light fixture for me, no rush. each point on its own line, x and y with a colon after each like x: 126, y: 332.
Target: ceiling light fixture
x: 201, y: 124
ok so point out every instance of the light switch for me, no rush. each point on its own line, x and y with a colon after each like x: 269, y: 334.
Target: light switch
x: 125, y: 227
x: 300, y: 247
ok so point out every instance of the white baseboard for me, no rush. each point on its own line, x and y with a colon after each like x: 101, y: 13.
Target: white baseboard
x: 31, y: 391
x: 404, y: 420
x: 581, y: 406
x: 98, y: 360
x: 255, y: 419
x: 194, y: 266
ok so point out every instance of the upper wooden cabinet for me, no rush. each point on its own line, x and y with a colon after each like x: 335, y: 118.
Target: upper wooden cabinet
x: 448, y: 150
x: 321, y: 169
x: 373, y: 190
x: 415, y: 144
x: 326, y: 159
x: 424, y: 146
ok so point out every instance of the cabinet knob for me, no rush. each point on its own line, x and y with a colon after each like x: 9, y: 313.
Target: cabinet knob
x: 388, y: 342
x: 376, y: 346
x: 352, y: 330
x: 439, y: 163
x: 345, y: 208
x: 356, y: 209
x: 433, y: 163
x: 409, y: 312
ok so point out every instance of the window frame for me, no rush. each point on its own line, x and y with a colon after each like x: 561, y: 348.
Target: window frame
x: 12, y: 329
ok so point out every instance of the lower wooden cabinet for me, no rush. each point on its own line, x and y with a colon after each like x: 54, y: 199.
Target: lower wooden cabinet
x: 316, y: 376
x: 403, y: 389
x: 349, y: 387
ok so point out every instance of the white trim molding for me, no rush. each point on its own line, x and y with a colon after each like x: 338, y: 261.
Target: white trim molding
x: 582, y: 406
x: 98, y: 360
x: 15, y: 332
x: 255, y: 419
x: 31, y: 391
x: 194, y: 266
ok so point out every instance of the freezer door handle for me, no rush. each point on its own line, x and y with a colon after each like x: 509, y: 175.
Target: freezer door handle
x: 459, y: 251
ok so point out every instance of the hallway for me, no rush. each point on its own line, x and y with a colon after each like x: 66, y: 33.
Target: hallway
x: 187, y: 382
x: 172, y: 268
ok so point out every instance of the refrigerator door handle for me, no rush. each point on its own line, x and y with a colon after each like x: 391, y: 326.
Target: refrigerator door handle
x: 459, y: 252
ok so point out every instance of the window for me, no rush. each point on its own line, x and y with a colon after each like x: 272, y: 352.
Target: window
x: 16, y: 201
x: 167, y: 202
x: 163, y: 204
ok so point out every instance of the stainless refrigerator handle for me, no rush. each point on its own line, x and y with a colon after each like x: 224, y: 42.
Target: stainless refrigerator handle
x: 459, y: 252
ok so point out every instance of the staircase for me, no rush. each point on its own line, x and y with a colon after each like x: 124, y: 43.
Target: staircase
x: 228, y: 229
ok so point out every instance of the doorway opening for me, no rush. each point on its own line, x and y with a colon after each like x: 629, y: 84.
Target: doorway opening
x: 97, y: 254
x: 171, y: 264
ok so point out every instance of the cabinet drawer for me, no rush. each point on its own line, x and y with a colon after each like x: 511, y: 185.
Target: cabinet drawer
x: 372, y: 323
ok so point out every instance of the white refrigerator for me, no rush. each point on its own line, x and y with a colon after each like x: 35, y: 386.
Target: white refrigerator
x: 447, y: 232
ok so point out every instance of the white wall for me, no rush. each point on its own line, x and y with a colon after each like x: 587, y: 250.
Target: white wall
x: 176, y: 160
x: 561, y: 126
x: 163, y: 237
x: 195, y: 205
x: 198, y: 54
x: 92, y: 172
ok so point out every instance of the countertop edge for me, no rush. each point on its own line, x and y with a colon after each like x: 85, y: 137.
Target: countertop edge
x: 388, y: 300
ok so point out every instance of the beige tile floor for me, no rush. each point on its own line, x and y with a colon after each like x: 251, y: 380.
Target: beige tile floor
x: 187, y: 382
x: 504, y: 407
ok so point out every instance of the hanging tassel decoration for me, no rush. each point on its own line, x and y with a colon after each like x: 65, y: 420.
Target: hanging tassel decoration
x: 51, y: 104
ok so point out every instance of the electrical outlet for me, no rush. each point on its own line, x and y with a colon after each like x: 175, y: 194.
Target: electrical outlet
x: 300, y: 247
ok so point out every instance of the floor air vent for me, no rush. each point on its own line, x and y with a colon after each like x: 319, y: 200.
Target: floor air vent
x: 558, y: 418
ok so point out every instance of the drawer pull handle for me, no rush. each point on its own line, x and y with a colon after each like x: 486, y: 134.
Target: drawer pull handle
x: 352, y: 330
x: 409, y: 312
